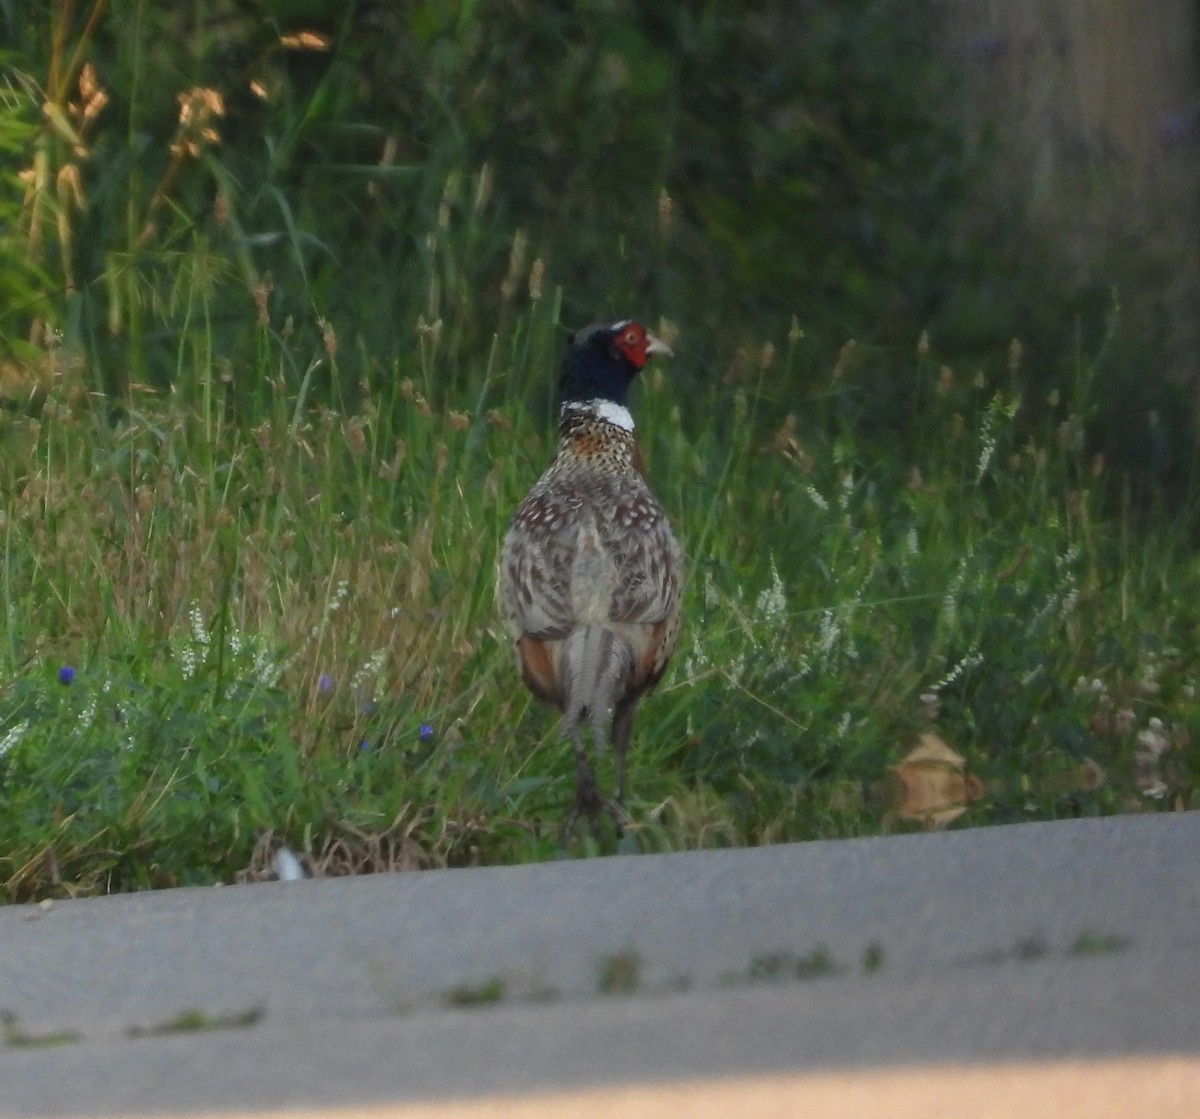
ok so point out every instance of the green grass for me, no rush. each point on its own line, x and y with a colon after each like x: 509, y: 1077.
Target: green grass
x: 15, y: 1037
x: 485, y: 993
x: 246, y: 565
x: 198, y: 1021
x: 219, y: 628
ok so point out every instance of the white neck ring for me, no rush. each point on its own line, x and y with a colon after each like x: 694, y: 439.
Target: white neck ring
x: 607, y: 410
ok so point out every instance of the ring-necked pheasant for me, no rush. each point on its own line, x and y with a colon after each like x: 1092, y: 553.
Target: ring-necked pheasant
x: 590, y: 574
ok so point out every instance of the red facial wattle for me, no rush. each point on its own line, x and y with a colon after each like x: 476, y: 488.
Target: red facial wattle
x: 633, y: 344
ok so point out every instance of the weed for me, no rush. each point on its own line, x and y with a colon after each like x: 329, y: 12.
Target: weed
x: 872, y: 958
x: 783, y: 965
x: 18, y: 1038
x: 786, y: 965
x: 484, y: 993
x: 620, y: 973
x: 199, y: 1021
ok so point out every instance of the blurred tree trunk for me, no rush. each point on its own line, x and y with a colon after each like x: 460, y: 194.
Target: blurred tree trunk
x: 1096, y: 104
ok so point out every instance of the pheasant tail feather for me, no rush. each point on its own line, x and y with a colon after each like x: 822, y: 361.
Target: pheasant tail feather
x: 596, y: 664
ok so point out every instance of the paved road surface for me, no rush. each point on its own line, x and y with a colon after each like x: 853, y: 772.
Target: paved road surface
x: 1037, y: 969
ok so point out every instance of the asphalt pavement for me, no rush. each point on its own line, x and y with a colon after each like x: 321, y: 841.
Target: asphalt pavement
x: 1048, y: 968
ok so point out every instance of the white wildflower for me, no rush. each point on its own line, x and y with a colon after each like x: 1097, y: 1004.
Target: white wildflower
x: 199, y: 628
x: 697, y: 662
x: 340, y: 594
x: 12, y: 736
x: 985, y: 452
x: 192, y: 651
x: 828, y: 633
x: 370, y: 669
x: 816, y: 498
x: 971, y: 660
x: 1153, y: 740
x: 771, y: 603
x: 847, y: 490
x: 267, y: 670
x: 949, y: 610
x: 949, y: 613
x: 987, y: 434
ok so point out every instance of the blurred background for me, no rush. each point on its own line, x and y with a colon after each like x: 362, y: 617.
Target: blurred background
x: 408, y: 176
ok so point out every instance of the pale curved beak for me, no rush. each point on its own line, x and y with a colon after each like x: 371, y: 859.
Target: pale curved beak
x: 657, y: 346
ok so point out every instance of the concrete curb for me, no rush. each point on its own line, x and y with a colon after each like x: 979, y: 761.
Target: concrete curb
x: 1063, y: 950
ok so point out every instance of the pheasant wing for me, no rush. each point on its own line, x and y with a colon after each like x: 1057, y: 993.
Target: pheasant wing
x: 534, y: 581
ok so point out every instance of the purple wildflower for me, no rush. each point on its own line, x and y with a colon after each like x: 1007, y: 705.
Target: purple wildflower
x: 324, y: 682
x: 66, y: 674
x: 425, y: 734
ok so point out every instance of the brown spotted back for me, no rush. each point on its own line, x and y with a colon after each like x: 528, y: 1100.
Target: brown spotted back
x: 590, y: 544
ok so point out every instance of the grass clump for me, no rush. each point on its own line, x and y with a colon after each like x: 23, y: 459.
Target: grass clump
x: 222, y: 633
x: 620, y: 973
x: 819, y: 963
x: 485, y: 993
x: 17, y: 1038
x: 199, y: 1021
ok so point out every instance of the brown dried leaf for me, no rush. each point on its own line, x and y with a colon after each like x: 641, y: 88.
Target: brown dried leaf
x: 931, y: 784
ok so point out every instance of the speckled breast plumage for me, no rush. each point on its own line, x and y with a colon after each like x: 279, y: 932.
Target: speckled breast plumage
x: 591, y: 544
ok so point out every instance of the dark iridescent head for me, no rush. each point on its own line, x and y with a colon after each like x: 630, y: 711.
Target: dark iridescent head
x: 603, y: 358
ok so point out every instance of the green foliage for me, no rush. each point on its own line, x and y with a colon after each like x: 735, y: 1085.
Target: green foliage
x: 285, y: 633
x: 468, y: 995
x: 405, y: 163
x: 253, y: 497
x: 406, y: 176
x: 21, y: 285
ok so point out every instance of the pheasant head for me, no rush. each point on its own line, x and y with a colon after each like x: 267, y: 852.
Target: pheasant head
x: 601, y: 362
